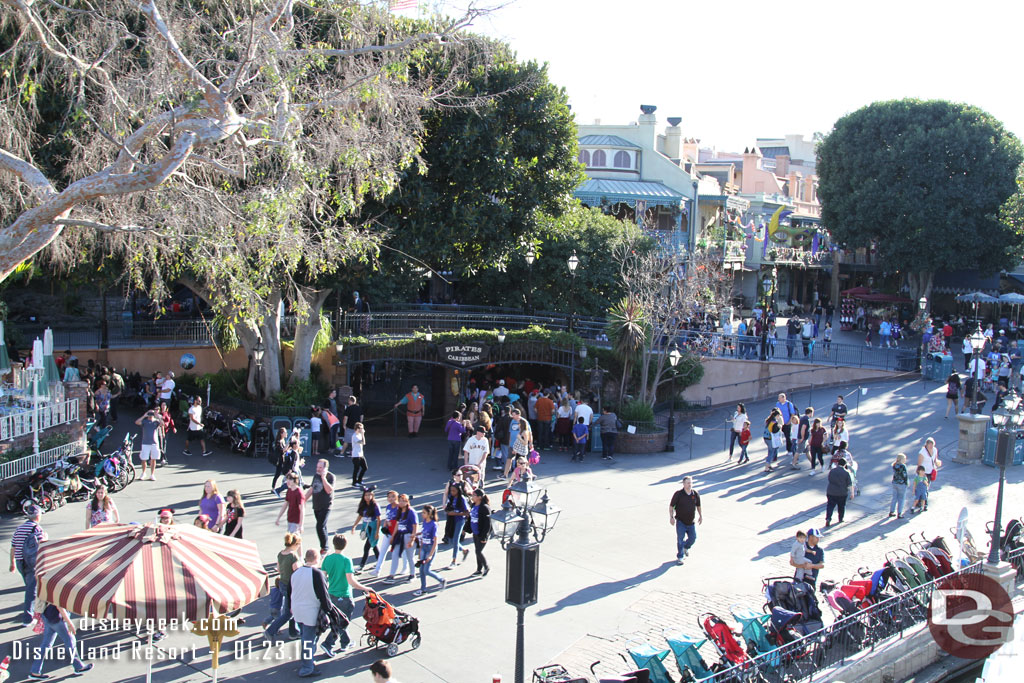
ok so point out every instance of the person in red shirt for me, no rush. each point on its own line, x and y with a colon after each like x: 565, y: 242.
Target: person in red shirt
x: 294, y: 505
x: 947, y: 333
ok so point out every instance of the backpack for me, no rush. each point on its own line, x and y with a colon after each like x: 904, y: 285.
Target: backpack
x: 30, y: 551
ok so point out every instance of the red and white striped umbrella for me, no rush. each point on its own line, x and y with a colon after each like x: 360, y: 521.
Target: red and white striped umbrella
x: 151, y: 571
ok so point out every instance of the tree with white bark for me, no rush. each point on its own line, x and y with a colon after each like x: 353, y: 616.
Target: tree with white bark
x: 224, y: 144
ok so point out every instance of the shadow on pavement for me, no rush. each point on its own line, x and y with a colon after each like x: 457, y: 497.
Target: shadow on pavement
x: 589, y: 593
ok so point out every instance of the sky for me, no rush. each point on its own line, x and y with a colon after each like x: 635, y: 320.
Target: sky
x: 738, y: 70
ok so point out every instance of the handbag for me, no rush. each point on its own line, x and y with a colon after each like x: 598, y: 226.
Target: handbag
x: 934, y: 475
x: 534, y: 457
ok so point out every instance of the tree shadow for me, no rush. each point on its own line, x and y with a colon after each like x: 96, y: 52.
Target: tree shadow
x: 601, y: 590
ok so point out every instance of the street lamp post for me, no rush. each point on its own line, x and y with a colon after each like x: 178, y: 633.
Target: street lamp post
x: 1008, y: 420
x: 768, y: 287
x: 673, y: 359
x: 922, y: 306
x: 573, y: 262
x: 531, y: 256
x: 521, y: 526
x: 35, y: 371
x: 977, y: 344
x: 257, y: 359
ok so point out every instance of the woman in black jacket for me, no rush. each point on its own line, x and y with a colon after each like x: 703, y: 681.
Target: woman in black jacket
x: 280, y: 448
x: 480, y: 523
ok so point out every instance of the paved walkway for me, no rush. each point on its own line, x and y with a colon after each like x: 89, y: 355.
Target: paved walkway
x: 607, y: 570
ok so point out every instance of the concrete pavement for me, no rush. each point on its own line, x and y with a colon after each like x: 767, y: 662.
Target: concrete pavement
x: 607, y: 570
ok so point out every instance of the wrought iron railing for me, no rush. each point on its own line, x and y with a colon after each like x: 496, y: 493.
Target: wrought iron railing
x: 30, y: 463
x: 23, y: 422
x: 805, y: 657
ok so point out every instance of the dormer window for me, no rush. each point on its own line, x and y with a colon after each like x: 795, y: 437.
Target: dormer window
x: 621, y: 160
x: 584, y: 157
x: 599, y: 159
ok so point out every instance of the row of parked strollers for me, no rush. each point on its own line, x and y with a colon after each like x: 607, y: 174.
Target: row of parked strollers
x: 772, y: 641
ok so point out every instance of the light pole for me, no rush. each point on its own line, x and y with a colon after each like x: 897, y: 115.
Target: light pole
x: 573, y: 262
x: 520, y: 518
x: 768, y: 287
x: 257, y: 359
x: 922, y: 306
x: 531, y: 256
x: 1008, y: 420
x: 977, y: 344
x: 673, y: 360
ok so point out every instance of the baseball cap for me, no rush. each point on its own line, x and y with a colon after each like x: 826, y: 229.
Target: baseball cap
x: 813, y: 531
x: 480, y: 428
x: 33, y: 511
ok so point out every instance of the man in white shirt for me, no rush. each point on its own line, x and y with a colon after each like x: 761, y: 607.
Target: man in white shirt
x: 587, y: 413
x: 500, y: 390
x: 475, y: 452
x: 166, y: 388
x: 195, y: 427
x: 309, y: 596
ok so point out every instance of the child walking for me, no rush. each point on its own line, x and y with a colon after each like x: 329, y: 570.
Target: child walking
x: 358, y: 455
x: 428, y: 546
x: 921, y: 484
x: 580, y: 431
x: 315, y: 424
x: 744, y: 442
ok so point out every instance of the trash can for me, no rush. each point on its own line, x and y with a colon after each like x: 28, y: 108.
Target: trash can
x: 992, y: 438
x: 943, y: 367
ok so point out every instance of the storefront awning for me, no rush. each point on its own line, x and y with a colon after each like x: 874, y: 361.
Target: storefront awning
x: 595, y: 190
x: 963, y: 281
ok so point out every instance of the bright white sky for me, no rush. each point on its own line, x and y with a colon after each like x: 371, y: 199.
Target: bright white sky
x: 742, y: 69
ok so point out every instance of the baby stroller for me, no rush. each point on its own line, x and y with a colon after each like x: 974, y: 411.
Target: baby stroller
x: 686, y: 650
x: 794, y: 596
x: 724, y: 640
x: 754, y: 628
x: 646, y: 656
x: 219, y: 431
x: 241, y: 434
x: 388, y: 626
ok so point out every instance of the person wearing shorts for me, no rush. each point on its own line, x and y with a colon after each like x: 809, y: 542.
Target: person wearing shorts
x: 195, y: 427
x: 152, y: 431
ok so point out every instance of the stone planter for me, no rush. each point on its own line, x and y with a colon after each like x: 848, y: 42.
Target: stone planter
x: 653, y: 442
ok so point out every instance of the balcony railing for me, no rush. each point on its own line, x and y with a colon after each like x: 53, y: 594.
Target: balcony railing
x: 30, y: 463
x: 22, y: 422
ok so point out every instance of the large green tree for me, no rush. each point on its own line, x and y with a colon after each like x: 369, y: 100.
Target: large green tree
x: 924, y: 182
x: 498, y: 154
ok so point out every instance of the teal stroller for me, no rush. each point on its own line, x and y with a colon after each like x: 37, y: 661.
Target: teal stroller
x: 648, y: 657
x: 686, y: 649
x: 754, y: 629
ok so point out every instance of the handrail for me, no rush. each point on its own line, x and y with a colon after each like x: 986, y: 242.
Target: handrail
x: 30, y: 463
x: 23, y: 422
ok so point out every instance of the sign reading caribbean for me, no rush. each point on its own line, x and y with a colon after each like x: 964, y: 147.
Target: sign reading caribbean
x: 462, y: 355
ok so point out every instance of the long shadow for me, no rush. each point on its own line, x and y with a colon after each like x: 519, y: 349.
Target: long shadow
x: 600, y: 590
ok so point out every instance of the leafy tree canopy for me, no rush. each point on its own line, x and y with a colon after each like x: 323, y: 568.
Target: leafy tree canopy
x: 923, y: 181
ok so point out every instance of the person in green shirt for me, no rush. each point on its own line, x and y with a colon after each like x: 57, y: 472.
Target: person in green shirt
x: 340, y: 582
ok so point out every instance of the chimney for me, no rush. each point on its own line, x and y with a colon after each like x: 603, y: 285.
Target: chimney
x: 673, y: 138
x: 809, y: 189
x: 782, y: 165
x: 647, y: 122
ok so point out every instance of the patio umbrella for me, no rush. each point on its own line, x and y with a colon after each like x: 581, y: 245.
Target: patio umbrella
x: 1012, y: 298
x: 977, y: 298
x: 150, y: 571
x: 50, y: 372
x: 5, y: 360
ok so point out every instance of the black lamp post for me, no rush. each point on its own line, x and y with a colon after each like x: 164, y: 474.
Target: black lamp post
x: 257, y: 359
x: 977, y: 344
x: 1008, y: 420
x: 531, y: 256
x: 922, y: 306
x: 768, y: 286
x: 521, y: 526
x: 673, y: 360
x: 573, y: 262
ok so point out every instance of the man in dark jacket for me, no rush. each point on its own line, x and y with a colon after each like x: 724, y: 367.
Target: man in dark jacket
x: 501, y: 437
x: 839, y: 483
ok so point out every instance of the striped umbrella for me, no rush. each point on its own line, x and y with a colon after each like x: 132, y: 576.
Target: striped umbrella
x: 51, y: 373
x: 151, y: 571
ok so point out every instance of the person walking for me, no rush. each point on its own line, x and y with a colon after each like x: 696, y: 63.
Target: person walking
x: 480, y: 523
x: 475, y: 452
x: 839, y: 410
x: 773, y: 437
x: 545, y: 411
x: 278, y: 458
x: 195, y: 427
x: 287, y: 562
x: 152, y: 434
x: 358, y: 454
x: 403, y: 537
x: 816, y: 446
x: 415, y: 403
x: 953, y: 387
x: 520, y: 438
x: 169, y: 428
x: 387, y: 526
x: 791, y: 441
x: 294, y: 505
x: 738, y: 419
x: 321, y: 491
x: 456, y: 510
x: 428, y: 546
x: 212, y: 505
x: 310, y: 597
x: 330, y: 426
x: 899, y: 486
x: 24, y: 550
x: 56, y: 622
x: 291, y: 462
x: 340, y: 582
x: 102, y: 398
x: 609, y: 424
x: 116, y: 390
x: 839, y: 484
x: 165, y: 387
x: 684, y: 514
x: 928, y: 458
x: 234, y: 514
x: 352, y: 416
x: 368, y: 515
x: 454, y: 431
x: 744, y: 441
x: 101, y: 509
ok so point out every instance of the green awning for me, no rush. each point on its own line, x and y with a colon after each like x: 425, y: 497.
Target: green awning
x: 594, y: 191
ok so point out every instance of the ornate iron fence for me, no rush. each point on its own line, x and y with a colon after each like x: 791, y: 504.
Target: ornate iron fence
x: 23, y: 422
x: 30, y: 463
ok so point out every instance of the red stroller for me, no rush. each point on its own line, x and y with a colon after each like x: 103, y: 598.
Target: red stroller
x: 724, y: 640
x: 388, y: 626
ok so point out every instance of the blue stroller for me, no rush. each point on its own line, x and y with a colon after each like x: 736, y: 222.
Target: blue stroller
x: 646, y: 656
x: 241, y: 434
x: 686, y: 649
x: 754, y: 627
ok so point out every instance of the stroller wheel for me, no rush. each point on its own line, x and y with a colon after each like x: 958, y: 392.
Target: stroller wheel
x: 371, y: 641
x: 415, y: 642
x: 392, y: 649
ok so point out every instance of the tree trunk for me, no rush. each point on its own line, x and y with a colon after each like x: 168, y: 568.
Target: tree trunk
x: 307, y: 327
x: 920, y: 284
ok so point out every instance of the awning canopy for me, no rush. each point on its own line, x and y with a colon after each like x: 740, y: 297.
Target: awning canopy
x: 595, y: 190
x: 963, y: 281
x: 977, y: 298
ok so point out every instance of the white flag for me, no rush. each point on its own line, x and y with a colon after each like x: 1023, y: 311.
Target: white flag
x: 698, y: 431
x: 631, y: 429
